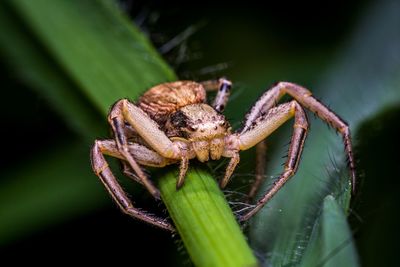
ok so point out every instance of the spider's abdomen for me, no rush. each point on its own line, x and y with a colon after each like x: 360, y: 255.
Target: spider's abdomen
x: 164, y: 99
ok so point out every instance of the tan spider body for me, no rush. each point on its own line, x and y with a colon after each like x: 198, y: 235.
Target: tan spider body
x: 172, y: 123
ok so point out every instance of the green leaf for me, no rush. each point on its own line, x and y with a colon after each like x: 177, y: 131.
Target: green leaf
x: 329, y: 246
x: 363, y: 81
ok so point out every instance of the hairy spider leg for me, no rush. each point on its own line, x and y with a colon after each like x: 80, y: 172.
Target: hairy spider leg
x: 262, y: 128
x: 305, y: 98
x: 117, y: 122
x: 133, y: 137
x: 124, y: 111
x: 127, y: 171
x: 233, y: 162
x: 268, y: 100
x: 261, y: 155
x: 142, y: 155
x: 224, y: 87
x: 103, y: 171
x: 184, y: 165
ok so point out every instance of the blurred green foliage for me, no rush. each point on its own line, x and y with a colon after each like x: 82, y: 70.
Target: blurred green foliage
x: 357, y: 74
x: 68, y: 98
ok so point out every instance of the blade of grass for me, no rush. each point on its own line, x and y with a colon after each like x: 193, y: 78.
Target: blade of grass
x: 363, y: 81
x: 36, y: 68
x: 328, y: 246
x: 109, y: 59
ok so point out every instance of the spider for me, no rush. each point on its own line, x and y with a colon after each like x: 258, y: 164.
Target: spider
x: 171, y: 123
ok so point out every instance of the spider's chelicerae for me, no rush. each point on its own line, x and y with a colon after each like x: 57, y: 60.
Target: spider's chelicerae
x: 171, y: 123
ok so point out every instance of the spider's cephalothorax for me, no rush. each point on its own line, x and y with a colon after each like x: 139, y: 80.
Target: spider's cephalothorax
x: 198, y: 122
x: 171, y: 123
x: 202, y: 127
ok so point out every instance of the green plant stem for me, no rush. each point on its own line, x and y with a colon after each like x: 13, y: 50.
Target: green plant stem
x: 205, y: 221
x: 109, y: 59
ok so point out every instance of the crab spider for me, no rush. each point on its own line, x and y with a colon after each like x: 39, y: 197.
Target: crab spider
x: 171, y: 123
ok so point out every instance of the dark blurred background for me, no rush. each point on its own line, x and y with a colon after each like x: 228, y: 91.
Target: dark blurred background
x: 254, y: 45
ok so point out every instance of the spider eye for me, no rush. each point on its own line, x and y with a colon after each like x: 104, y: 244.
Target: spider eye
x: 179, y: 119
x: 223, y: 123
x: 192, y: 128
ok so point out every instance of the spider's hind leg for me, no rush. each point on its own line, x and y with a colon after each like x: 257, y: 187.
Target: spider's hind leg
x: 103, y: 171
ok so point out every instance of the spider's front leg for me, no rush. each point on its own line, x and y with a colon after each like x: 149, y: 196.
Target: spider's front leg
x: 262, y: 127
x: 307, y: 100
x: 103, y: 171
x: 124, y: 111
